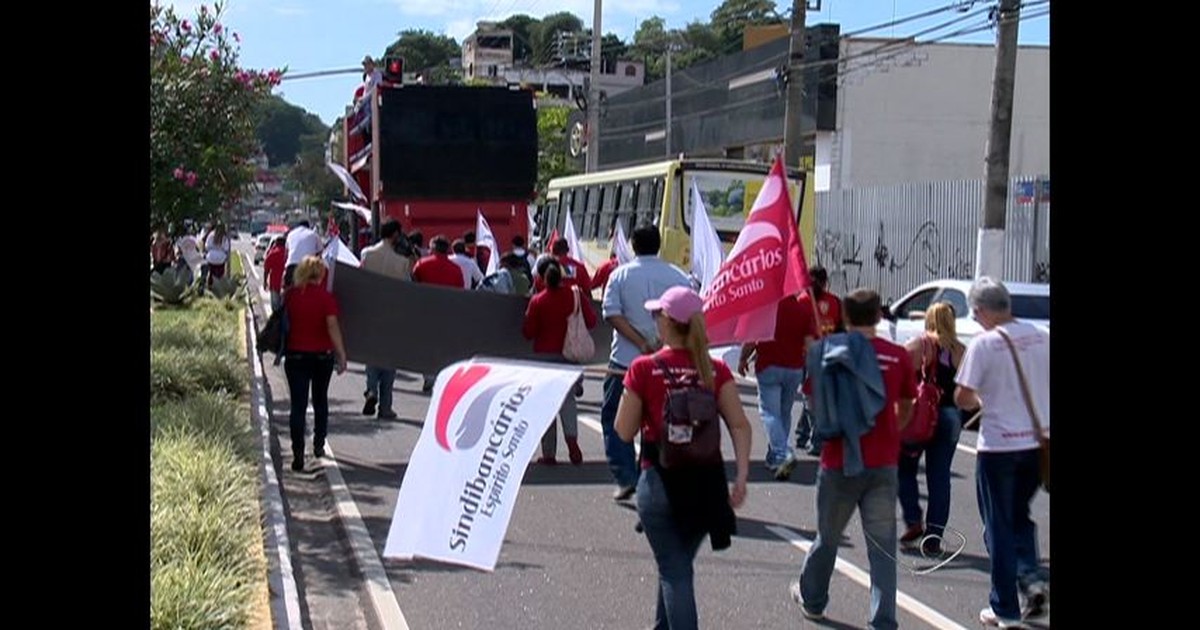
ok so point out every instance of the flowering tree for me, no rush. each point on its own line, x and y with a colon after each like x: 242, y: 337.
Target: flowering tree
x: 202, y: 116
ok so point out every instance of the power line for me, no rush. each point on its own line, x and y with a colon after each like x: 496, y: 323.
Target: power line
x: 949, y: 7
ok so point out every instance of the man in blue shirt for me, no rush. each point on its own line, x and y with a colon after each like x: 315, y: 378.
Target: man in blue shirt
x: 646, y: 277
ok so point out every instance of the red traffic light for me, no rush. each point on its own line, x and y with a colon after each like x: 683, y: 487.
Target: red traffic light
x: 393, y: 69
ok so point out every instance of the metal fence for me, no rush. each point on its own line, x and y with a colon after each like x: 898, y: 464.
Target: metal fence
x: 893, y: 238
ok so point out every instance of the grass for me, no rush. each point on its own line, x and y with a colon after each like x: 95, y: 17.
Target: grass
x: 235, y: 266
x: 207, y: 568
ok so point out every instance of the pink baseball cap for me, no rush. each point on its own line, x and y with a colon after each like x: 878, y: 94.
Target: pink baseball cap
x: 679, y: 303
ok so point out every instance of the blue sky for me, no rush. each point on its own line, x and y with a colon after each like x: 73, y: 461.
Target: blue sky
x: 313, y: 35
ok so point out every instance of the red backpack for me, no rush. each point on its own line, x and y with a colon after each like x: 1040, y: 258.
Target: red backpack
x: 923, y: 424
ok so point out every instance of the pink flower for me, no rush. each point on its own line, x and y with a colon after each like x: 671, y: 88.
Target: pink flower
x: 191, y: 179
x: 217, y: 28
x: 187, y: 28
x: 214, y: 55
x: 178, y: 172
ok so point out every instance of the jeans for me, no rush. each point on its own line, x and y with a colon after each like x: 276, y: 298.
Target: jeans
x: 674, y: 553
x: 873, y: 492
x: 622, y: 460
x: 379, y: 384
x: 777, y: 387
x: 1005, y: 485
x: 939, y: 454
x: 304, y: 370
x: 569, y: 416
x: 276, y: 300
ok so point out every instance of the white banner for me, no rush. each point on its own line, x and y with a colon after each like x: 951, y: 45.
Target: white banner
x: 335, y: 252
x: 621, y: 246
x: 347, y: 180
x: 575, y: 251
x: 485, y: 238
x: 485, y: 421
x: 707, y: 254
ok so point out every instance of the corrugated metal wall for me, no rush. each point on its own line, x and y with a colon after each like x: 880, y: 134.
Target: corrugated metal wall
x: 893, y: 238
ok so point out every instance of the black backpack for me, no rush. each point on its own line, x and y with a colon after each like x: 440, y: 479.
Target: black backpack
x: 691, y: 434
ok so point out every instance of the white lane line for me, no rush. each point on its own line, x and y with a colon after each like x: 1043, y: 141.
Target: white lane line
x: 905, y: 601
x: 967, y: 449
x: 863, y: 578
x: 283, y: 584
x: 379, y: 588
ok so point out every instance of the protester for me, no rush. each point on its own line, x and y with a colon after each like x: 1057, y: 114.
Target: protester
x: 1007, y: 469
x: 437, y: 269
x: 574, y: 271
x: 940, y: 352
x: 471, y: 275
x: 825, y: 309
x: 635, y: 333
x: 217, y: 249
x: 679, y: 506
x: 863, y: 390
x: 389, y: 257
x: 162, y: 252
x: 273, y: 267
x: 546, y: 319
x: 508, y: 279
x: 603, y: 272
x: 314, y: 350
x: 302, y: 242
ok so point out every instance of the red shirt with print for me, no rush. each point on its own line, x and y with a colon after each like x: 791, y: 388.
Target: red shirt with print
x: 307, y: 307
x: 881, y: 445
x: 793, y: 323
x: 547, y: 314
x: 574, y: 273
x: 273, y: 265
x: 438, y: 269
x: 647, y: 380
x: 829, y: 308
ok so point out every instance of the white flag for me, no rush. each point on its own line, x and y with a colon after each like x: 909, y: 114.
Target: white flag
x: 707, y: 254
x: 531, y: 210
x: 363, y: 213
x: 485, y: 238
x: 484, y: 423
x: 347, y: 179
x: 572, y: 241
x: 621, y: 246
x: 335, y: 252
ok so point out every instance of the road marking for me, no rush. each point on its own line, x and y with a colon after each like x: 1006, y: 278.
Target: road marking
x: 863, y: 578
x: 967, y: 449
x: 283, y: 583
x: 905, y: 601
x: 379, y: 588
x: 593, y: 423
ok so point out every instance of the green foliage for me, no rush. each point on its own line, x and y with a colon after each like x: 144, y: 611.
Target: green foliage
x: 422, y: 49
x: 730, y: 19
x: 284, y: 128
x: 544, y: 33
x: 522, y: 27
x: 202, y: 115
x: 175, y: 374
x: 230, y: 288
x: 171, y: 288
x: 693, y: 44
x: 552, y: 147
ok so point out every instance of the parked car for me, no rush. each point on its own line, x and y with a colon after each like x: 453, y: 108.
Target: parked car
x: 261, y: 244
x: 905, y: 318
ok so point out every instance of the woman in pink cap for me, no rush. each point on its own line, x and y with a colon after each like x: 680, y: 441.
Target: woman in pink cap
x: 679, y: 506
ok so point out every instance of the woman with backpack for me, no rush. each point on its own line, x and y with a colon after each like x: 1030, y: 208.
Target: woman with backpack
x: 682, y: 493
x: 937, y: 353
x: 546, y: 322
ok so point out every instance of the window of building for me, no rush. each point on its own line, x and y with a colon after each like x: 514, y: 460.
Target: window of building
x: 630, y: 70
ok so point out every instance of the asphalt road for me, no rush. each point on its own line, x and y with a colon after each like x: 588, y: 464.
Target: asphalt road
x: 572, y: 559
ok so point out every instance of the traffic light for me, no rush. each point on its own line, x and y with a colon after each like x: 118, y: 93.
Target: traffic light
x: 393, y: 69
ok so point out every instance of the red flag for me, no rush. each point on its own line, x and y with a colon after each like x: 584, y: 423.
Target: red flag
x: 553, y: 239
x: 331, y: 227
x: 765, y: 265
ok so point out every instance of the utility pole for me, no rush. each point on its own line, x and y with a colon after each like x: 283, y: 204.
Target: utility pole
x: 593, y: 99
x: 989, y: 256
x: 668, y: 137
x: 793, y: 136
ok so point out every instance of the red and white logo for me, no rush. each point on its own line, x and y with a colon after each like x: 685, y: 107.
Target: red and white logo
x: 470, y: 418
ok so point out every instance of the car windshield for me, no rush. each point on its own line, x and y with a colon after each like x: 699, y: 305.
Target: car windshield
x: 1031, y: 307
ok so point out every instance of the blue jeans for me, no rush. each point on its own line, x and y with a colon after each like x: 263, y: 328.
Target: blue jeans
x: 276, y: 301
x: 379, y: 384
x: 1005, y: 485
x: 674, y: 553
x: 307, y: 370
x: 777, y: 387
x: 873, y: 492
x: 939, y: 454
x: 622, y: 460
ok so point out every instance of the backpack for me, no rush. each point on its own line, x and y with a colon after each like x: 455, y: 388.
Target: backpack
x: 272, y: 337
x: 691, y: 432
x: 923, y: 424
x: 578, y: 346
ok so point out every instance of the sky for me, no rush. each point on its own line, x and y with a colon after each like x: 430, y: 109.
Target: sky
x: 314, y: 35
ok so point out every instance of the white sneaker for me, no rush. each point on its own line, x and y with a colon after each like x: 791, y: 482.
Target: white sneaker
x: 794, y: 589
x: 988, y: 618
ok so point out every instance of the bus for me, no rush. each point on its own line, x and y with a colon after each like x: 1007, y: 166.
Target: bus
x: 660, y: 194
x: 431, y: 157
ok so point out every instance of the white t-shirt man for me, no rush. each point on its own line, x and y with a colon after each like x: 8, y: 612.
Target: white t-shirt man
x: 987, y: 367
x: 302, y: 242
x: 471, y: 273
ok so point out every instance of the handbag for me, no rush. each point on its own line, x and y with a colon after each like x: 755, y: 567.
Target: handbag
x: 922, y: 425
x: 273, y: 335
x: 1043, y: 439
x: 691, y: 432
x: 578, y: 346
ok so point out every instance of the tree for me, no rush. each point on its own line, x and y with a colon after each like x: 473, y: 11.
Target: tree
x: 522, y: 27
x: 649, y: 45
x: 552, y: 147
x: 203, y: 111
x: 544, y: 35
x: 731, y: 18
x: 612, y: 49
x: 311, y: 175
x: 423, y: 50
x: 281, y: 129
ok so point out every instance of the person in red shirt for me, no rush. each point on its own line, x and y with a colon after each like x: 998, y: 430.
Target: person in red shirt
x: 673, y: 531
x: 314, y: 350
x: 437, y: 268
x: 600, y: 280
x: 873, y: 490
x: 162, y: 252
x: 779, y: 370
x: 574, y: 272
x: 274, y: 263
x: 546, y: 324
x: 829, y: 307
